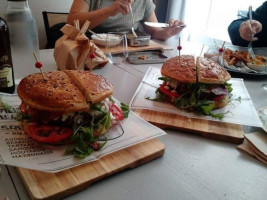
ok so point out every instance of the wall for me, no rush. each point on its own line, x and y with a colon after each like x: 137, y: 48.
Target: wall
x: 161, y: 9
x: 37, y: 6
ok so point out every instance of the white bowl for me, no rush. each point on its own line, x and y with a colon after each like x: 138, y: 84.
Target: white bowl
x: 257, y: 67
x: 259, y: 64
x: 109, y: 40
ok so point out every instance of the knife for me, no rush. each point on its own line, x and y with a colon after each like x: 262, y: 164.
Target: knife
x: 162, y: 25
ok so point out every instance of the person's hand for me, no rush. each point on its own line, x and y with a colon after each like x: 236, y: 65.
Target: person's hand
x: 174, y: 27
x: 246, y: 29
x: 121, y: 6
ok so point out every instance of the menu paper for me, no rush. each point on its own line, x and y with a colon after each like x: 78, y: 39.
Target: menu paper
x: 240, y: 109
x: 18, y: 149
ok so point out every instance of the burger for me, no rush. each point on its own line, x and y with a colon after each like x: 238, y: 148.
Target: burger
x: 68, y: 106
x: 199, y: 86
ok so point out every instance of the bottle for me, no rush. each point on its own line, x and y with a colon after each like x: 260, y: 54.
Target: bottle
x: 23, y: 37
x: 7, y: 83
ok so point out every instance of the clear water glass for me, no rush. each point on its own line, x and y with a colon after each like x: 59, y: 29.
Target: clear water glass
x: 23, y: 37
x: 116, y: 46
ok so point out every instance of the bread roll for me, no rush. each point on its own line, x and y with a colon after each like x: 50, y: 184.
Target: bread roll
x: 181, y: 68
x: 56, y: 94
x: 208, y: 71
x: 94, y: 87
x: 63, y: 91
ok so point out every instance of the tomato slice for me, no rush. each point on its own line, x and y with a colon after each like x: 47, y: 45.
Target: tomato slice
x: 23, y: 108
x: 48, y: 134
x: 116, y: 112
x: 167, y: 92
x: 219, y: 97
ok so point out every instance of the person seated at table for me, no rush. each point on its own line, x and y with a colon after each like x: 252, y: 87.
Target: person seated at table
x: 114, y: 16
x: 240, y: 30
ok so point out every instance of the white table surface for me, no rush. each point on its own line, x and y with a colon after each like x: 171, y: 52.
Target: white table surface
x: 191, y: 168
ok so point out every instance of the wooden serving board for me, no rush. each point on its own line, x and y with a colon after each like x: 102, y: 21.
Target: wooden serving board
x: 209, y: 129
x: 152, y: 46
x: 42, y: 185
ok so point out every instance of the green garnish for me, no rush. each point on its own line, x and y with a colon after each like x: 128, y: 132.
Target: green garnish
x: 6, y: 107
x: 229, y: 87
x: 191, y: 99
x: 160, y: 96
x: 238, y: 99
x: 83, y: 137
x: 125, y: 109
x: 163, y: 78
x: 110, y: 98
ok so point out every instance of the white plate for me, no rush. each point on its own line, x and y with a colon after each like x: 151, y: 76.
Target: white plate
x: 263, y: 117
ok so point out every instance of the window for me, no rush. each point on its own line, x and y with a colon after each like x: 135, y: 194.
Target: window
x: 212, y: 17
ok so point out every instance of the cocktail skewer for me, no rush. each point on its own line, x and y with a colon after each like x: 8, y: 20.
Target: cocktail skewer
x: 92, y: 56
x: 220, y: 52
x: 179, y: 47
x: 39, y: 65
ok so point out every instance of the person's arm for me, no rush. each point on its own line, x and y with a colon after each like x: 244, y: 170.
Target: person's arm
x: 240, y: 30
x: 163, y: 33
x: 233, y: 31
x: 80, y: 10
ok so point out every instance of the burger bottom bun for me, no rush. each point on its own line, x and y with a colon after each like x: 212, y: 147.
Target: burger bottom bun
x: 222, y: 103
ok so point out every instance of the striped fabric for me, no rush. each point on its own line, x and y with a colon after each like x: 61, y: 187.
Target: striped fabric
x: 142, y: 10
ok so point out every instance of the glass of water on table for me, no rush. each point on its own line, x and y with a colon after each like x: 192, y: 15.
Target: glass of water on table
x: 116, y: 47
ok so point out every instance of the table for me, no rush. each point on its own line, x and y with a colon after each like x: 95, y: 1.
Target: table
x: 191, y: 168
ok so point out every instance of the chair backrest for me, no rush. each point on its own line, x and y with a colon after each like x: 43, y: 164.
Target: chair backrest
x: 51, y: 19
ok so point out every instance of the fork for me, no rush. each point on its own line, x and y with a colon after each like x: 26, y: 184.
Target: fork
x: 133, y: 31
x: 250, y: 50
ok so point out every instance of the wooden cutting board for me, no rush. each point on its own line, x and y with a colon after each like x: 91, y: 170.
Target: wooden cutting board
x: 209, y: 129
x: 41, y: 185
x: 152, y: 46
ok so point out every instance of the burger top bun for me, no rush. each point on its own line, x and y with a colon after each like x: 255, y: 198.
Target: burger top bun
x: 61, y: 92
x: 94, y: 87
x: 180, y: 68
x: 208, y: 71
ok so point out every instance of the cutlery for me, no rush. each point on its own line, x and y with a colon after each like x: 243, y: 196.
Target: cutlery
x: 250, y: 50
x: 133, y: 31
x: 161, y: 25
x: 95, y: 34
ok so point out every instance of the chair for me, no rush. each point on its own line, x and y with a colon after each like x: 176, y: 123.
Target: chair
x: 53, y: 22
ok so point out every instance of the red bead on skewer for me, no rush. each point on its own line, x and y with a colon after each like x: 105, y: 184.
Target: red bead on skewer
x: 179, y: 47
x: 220, y: 51
x: 39, y: 65
x: 92, y: 55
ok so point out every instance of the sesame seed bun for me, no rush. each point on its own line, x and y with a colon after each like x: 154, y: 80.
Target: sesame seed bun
x: 94, y: 87
x: 208, y: 71
x: 63, y: 91
x: 181, y: 69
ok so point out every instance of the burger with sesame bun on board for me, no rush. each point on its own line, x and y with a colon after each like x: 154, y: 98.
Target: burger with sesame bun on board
x: 200, y: 87
x: 68, y: 106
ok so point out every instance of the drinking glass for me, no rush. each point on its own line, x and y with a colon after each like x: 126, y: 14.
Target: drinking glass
x: 116, y: 47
